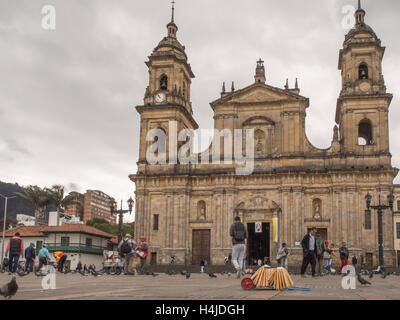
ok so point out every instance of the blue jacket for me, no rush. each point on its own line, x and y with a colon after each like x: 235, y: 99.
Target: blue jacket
x: 30, y: 252
x: 44, y: 253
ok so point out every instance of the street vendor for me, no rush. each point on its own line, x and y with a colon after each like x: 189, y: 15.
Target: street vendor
x: 142, y: 253
x: 61, y: 257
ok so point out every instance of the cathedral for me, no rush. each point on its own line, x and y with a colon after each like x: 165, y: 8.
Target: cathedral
x: 186, y: 209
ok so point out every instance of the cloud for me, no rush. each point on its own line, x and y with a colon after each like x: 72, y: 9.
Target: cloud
x: 67, y: 96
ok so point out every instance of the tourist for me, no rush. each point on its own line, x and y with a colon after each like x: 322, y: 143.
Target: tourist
x: 127, y: 251
x: 319, y: 253
x: 238, y: 232
x: 309, y: 246
x: 61, y: 257
x: 142, y: 253
x: 202, y: 265
x: 30, y: 255
x: 79, y: 266
x: 44, y: 257
x: 282, y: 256
x: 327, y: 257
x: 16, y: 248
x: 344, y: 256
x: 85, y: 269
x: 354, y: 263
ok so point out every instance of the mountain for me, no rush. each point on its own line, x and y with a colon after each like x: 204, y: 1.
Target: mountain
x: 15, y: 205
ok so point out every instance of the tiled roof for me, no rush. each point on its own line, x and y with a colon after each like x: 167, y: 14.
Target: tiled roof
x: 67, y: 228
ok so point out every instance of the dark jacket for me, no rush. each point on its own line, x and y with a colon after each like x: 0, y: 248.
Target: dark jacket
x: 305, y: 243
x: 232, y: 233
x: 15, y: 246
x: 354, y: 261
x: 30, y: 252
x: 344, y: 253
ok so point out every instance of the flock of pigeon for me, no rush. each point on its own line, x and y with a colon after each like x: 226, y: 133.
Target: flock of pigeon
x: 10, y: 289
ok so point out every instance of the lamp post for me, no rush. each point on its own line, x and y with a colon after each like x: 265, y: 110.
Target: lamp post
x: 4, y: 225
x: 113, y: 208
x: 380, y: 207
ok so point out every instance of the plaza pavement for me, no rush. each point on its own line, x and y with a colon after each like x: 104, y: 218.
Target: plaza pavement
x: 198, y: 287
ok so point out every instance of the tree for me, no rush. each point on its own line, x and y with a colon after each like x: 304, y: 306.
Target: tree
x: 35, y: 197
x: 55, y: 196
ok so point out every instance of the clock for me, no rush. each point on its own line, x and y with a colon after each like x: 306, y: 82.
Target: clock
x: 160, y: 97
x: 365, y: 86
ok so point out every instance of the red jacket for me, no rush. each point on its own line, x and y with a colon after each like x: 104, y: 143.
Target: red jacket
x: 21, y: 252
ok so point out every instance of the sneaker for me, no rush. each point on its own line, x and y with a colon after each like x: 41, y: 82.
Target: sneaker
x: 303, y: 276
x: 239, y: 273
x: 315, y: 275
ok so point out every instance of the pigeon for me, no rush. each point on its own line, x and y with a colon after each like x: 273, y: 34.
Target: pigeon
x: 212, y: 275
x: 183, y: 272
x: 9, y: 289
x: 22, y: 273
x: 371, y: 275
x: 187, y: 275
x: 154, y: 274
x: 229, y: 274
x: 363, y: 281
x: 222, y: 273
x: 384, y: 275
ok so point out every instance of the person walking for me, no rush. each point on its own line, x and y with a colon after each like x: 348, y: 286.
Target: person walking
x: 127, y: 251
x: 238, y: 232
x: 142, y: 253
x: 30, y: 255
x: 61, y: 257
x: 44, y: 257
x: 319, y: 253
x: 344, y: 256
x: 282, y: 256
x: 16, y: 249
x: 309, y: 245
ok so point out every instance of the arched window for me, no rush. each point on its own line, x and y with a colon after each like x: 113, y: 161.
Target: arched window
x: 164, y: 82
x: 365, y: 137
x: 363, y: 71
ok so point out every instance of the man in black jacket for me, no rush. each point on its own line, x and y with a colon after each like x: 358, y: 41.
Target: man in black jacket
x: 309, y: 244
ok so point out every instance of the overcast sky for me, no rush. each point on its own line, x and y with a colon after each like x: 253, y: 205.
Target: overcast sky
x: 67, y: 96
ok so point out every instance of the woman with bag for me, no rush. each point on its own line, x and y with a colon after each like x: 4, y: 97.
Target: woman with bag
x: 282, y: 255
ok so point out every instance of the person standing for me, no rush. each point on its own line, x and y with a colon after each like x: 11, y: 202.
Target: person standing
x: 319, y: 253
x: 238, y: 232
x: 127, y: 251
x: 309, y: 245
x: 143, y: 252
x: 282, y: 256
x: 61, y: 257
x: 30, y: 255
x: 16, y: 249
x: 44, y: 256
x: 79, y: 267
x: 354, y: 263
x: 326, y: 257
x: 202, y: 265
x: 344, y: 256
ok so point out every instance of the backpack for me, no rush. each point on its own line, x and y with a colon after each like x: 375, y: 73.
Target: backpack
x: 239, y: 233
x: 125, y: 247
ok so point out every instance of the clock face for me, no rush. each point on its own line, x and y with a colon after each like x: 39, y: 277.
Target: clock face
x: 160, y: 97
x: 365, y: 86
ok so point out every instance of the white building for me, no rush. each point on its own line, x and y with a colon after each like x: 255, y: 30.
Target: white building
x: 80, y: 242
x: 64, y: 219
x: 25, y: 220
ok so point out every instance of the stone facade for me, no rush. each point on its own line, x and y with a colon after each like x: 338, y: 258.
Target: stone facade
x: 300, y: 185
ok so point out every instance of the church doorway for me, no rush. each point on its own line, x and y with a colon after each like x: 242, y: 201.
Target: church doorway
x: 200, y: 246
x: 258, y: 243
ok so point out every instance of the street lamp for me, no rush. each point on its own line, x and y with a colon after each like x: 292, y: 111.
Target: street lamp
x: 4, y: 225
x: 113, y: 209
x: 380, y: 208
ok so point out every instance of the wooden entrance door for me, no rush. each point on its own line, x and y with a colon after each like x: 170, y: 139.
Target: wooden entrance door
x: 201, y: 245
x: 369, y: 258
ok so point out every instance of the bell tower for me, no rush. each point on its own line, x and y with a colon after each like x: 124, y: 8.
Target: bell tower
x: 363, y: 104
x: 167, y: 96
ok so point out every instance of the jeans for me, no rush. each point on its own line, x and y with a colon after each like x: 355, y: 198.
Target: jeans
x: 61, y: 262
x: 284, y: 263
x: 238, y: 254
x: 13, y: 262
x: 244, y: 266
x: 327, y: 262
x: 29, y: 264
